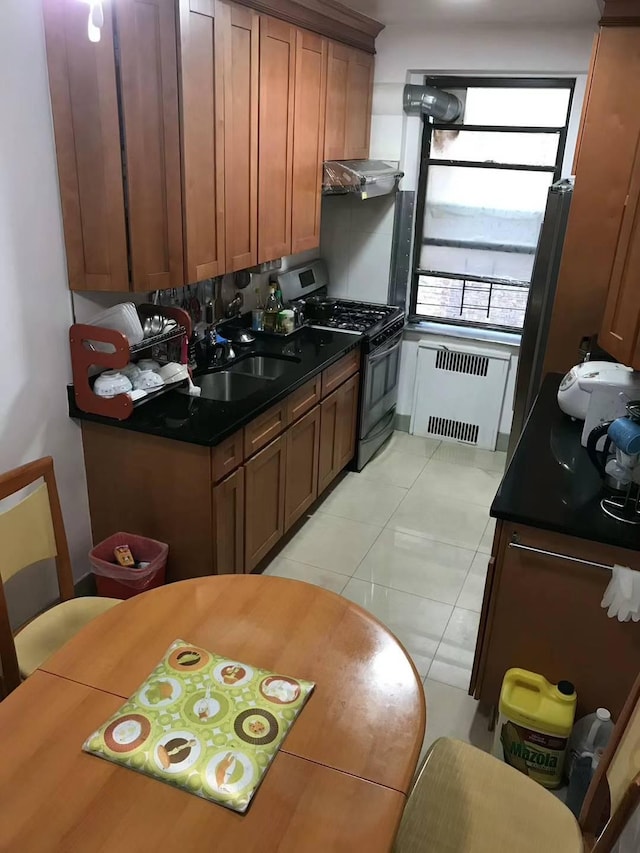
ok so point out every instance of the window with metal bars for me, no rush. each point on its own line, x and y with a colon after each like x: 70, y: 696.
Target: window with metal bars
x: 481, y: 198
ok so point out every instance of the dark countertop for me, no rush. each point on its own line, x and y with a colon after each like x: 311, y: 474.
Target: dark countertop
x: 551, y: 482
x: 208, y: 422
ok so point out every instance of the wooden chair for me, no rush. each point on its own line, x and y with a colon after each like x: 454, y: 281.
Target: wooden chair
x: 31, y: 531
x: 466, y: 801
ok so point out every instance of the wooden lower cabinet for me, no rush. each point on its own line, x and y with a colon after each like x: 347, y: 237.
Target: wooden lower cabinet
x: 338, y: 424
x: 155, y: 487
x: 222, y: 509
x: 228, y: 524
x: 264, y: 501
x: 301, y: 481
x: 541, y: 612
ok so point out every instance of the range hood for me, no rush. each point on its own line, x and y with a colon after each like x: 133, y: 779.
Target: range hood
x: 362, y: 178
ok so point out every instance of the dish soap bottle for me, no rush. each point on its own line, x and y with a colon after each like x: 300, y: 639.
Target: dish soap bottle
x: 272, y: 308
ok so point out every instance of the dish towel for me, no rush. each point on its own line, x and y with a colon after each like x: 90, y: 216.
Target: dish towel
x: 622, y: 596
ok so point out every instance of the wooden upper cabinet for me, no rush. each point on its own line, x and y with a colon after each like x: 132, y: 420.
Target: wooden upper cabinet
x: 149, y: 93
x: 621, y: 322
x: 275, y: 145
x: 190, y: 139
x: 241, y: 44
x: 617, y: 60
x: 336, y: 122
x: 349, y: 101
x: 308, y: 140
x: 600, y: 227
x: 84, y: 100
x: 359, y: 104
x: 201, y: 62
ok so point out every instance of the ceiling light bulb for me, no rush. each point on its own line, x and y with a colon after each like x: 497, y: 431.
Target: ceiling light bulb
x: 96, y: 20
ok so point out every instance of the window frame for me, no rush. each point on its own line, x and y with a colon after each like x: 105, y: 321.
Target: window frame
x: 428, y: 127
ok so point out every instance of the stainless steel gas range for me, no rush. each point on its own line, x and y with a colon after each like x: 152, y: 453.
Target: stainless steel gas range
x: 381, y: 328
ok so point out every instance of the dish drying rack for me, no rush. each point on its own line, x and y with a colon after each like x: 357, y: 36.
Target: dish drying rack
x: 84, y: 356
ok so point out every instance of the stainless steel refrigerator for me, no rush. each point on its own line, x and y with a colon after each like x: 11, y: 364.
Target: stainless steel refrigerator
x: 540, y: 305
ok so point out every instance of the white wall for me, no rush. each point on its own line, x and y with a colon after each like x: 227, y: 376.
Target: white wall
x: 356, y: 241
x: 481, y: 50
x: 36, y: 315
x: 405, y: 54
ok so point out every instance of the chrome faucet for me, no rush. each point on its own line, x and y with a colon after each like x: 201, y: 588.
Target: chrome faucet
x: 222, y: 352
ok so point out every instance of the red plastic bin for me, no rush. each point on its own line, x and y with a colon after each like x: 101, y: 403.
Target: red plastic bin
x: 115, y: 581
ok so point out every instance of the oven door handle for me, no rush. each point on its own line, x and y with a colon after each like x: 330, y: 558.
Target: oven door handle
x: 388, y: 418
x: 376, y: 356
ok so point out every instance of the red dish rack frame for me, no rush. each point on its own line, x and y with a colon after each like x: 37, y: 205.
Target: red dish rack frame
x: 83, y: 357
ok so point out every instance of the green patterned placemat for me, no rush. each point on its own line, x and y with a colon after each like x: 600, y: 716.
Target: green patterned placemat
x: 203, y: 723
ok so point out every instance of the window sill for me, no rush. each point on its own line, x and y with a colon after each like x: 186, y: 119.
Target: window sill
x: 490, y: 336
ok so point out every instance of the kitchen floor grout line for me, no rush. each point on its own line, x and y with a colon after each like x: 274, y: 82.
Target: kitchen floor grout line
x: 431, y: 539
x: 477, y: 553
x: 466, y: 577
x: 313, y: 566
x: 304, y: 563
x: 357, y: 521
x: 446, y: 684
x: 388, y: 482
x: 469, y: 467
x: 388, y: 586
x: 367, y: 554
x: 344, y: 587
x: 435, y: 494
x: 442, y: 638
x: 404, y: 592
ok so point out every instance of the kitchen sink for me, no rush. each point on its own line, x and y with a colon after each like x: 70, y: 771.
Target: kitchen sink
x: 263, y: 366
x: 227, y: 386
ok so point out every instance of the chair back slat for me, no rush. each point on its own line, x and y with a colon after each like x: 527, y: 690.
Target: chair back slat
x: 625, y: 763
x: 26, y: 533
x: 614, y: 791
x: 30, y: 531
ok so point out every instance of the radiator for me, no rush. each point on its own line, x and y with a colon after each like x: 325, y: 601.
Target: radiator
x: 459, y: 393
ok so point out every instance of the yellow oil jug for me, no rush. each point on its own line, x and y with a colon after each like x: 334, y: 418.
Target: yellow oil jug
x: 535, y: 722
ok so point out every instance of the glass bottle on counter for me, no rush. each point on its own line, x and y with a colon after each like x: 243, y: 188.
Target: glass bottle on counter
x: 272, y: 308
x: 257, y: 315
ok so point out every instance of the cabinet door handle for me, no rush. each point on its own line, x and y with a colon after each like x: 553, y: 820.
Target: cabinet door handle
x: 515, y: 543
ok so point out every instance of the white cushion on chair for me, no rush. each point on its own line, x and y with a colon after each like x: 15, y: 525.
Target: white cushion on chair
x: 49, y: 631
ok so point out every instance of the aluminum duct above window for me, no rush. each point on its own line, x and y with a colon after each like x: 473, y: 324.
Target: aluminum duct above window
x: 427, y: 100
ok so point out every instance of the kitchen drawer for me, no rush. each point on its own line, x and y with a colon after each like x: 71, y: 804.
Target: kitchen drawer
x: 264, y: 429
x: 339, y: 372
x: 227, y: 456
x: 303, y: 400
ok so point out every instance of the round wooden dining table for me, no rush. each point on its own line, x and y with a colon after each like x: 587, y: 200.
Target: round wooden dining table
x: 339, y: 782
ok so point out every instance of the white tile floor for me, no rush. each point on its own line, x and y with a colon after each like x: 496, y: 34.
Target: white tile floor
x: 408, y: 539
